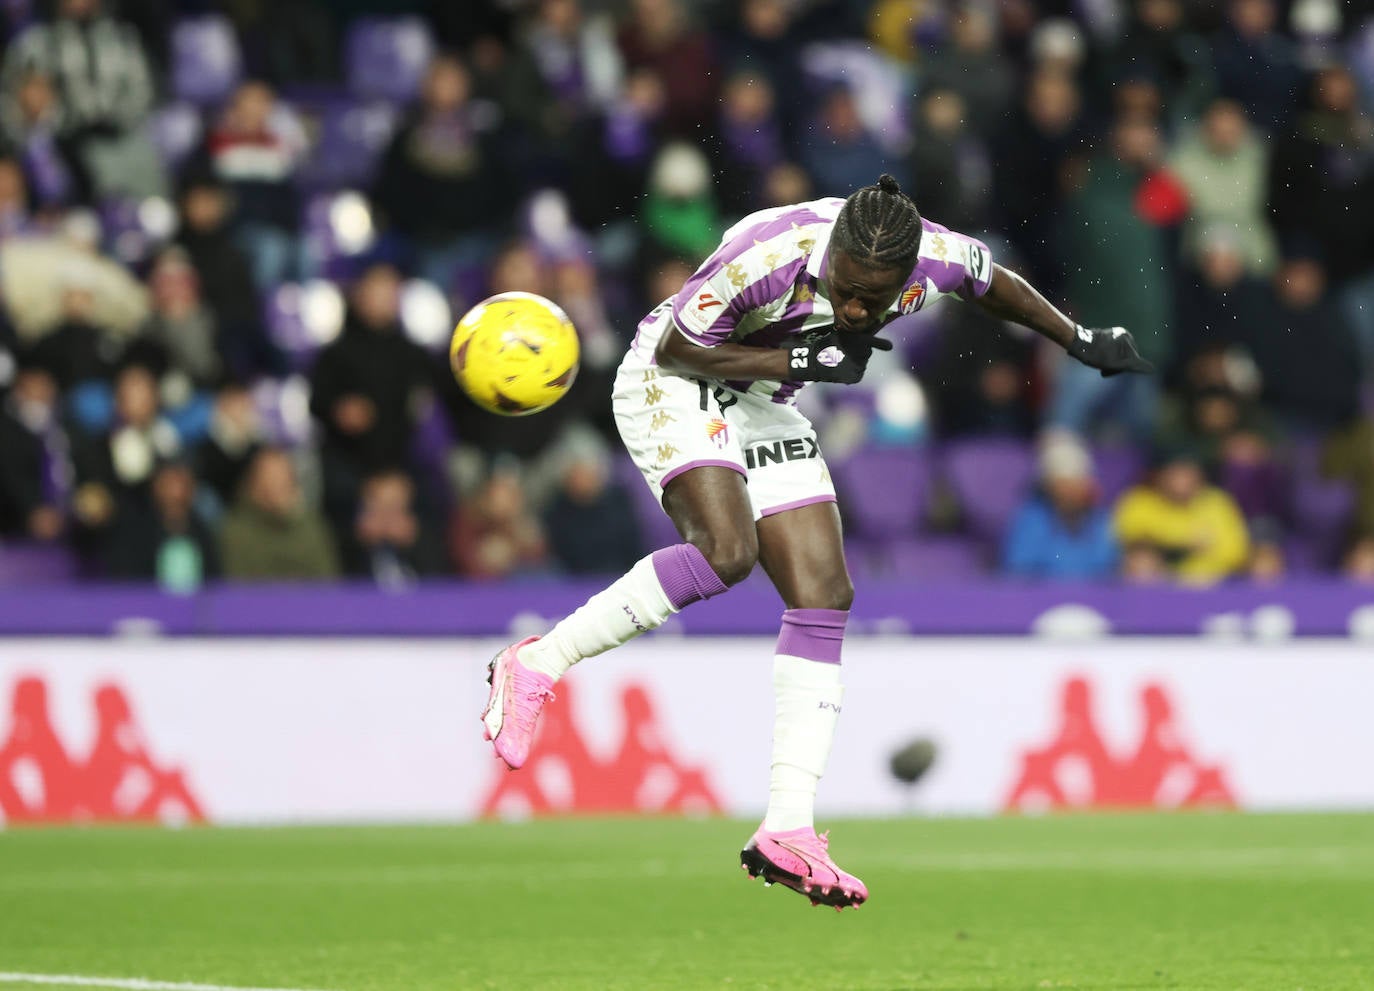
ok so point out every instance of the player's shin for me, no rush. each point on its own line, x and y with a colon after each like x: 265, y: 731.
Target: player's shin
x: 659, y: 585
x: 806, y: 684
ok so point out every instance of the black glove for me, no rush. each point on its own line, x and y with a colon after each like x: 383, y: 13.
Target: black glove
x: 835, y: 357
x: 1112, y: 350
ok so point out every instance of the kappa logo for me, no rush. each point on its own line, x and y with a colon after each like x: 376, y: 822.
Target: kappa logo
x: 706, y: 300
x: 912, y: 298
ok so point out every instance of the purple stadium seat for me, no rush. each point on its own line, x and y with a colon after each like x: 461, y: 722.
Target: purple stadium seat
x: 934, y: 558
x: 36, y: 564
x: 883, y: 491
x: 206, y: 63
x: 1118, y: 468
x: 990, y: 478
x: 386, y: 57
x: 1321, y: 507
x: 347, y: 140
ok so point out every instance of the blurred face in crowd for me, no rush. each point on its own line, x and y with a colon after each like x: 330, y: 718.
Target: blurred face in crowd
x: 1138, y: 99
x: 786, y: 183
x: 1159, y: 15
x: 1336, y: 90
x: 644, y: 93
x: 518, y: 269
x: 204, y: 208
x: 585, y: 480
x: 135, y: 396
x: 1052, y: 101
x: 1267, y: 563
x: 562, y: 17
x: 841, y: 116
x: 667, y: 278
x: 748, y: 98
x: 502, y: 498
x: 377, y: 297
x: 1359, y: 561
x: 1224, y: 128
x: 36, y: 97
x: 175, y: 287
x: 251, y: 108
x: 78, y: 10
x: 660, y: 22
x: 765, y: 18
x: 384, y: 513
x: 12, y: 192
x: 1136, y: 143
x: 1252, y: 18
x: 34, y: 387
x: 943, y: 112
x: 1179, y: 481
x: 1301, y: 282
x: 1221, y: 264
x: 271, y: 484
x: 1071, y: 495
x: 973, y: 30
x: 174, y: 490
x: 1216, y: 412
x: 447, y: 85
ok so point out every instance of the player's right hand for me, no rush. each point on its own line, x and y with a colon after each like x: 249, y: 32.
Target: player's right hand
x: 1111, y: 350
x: 835, y: 357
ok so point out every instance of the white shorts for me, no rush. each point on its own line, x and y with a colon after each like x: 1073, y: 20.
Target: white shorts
x: 670, y: 424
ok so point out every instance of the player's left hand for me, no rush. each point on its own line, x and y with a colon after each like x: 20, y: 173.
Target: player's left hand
x: 1111, y: 350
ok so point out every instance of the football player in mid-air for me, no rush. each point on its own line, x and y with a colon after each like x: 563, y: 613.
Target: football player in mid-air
x: 705, y: 401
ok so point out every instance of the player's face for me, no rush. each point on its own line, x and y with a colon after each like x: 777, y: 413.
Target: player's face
x: 861, y: 295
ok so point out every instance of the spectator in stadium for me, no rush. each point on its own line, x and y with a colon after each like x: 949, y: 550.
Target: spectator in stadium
x: 1358, y: 564
x: 390, y: 542
x: 751, y: 142
x: 1179, y: 525
x: 1109, y: 244
x: 165, y: 540
x: 232, y: 438
x: 493, y: 534
x: 1256, y: 64
x: 444, y: 184
x: 15, y: 217
x: 659, y: 36
x: 1040, y: 153
x: 843, y: 155
x: 950, y: 167
x: 1160, y: 43
x: 1219, y: 302
x: 226, y: 280
x: 35, y: 465
x: 971, y: 67
x: 29, y: 124
x: 980, y: 377
x: 1223, y: 165
x: 271, y: 534
x: 565, y: 69
x: 365, y: 390
x: 590, y: 523
x: 114, y: 467
x: 1348, y: 454
x: 679, y: 214
x: 1062, y: 531
x: 255, y: 149
x: 98, y: 67
x: 180, y: 327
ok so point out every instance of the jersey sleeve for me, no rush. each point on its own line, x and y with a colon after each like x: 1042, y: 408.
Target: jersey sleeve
x: 956, y: 263
x: 727, y: 286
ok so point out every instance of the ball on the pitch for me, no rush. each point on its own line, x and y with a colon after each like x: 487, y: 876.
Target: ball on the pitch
x: 515, y: 353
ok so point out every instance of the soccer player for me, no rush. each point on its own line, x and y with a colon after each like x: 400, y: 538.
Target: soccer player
x: 705, y: 403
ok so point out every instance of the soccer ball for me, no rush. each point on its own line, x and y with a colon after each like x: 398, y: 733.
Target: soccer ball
x: 515, y: 353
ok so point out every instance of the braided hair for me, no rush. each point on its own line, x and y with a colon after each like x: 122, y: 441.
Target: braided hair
x: 879, y: 226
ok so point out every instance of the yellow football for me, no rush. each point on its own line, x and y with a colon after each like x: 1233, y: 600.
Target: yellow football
x: 515, y: 353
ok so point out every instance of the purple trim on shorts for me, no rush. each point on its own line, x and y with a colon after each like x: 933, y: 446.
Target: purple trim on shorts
x: 685, y: 575
x: 699, y: 464
x: 774, y: 510
x: 813, y: 634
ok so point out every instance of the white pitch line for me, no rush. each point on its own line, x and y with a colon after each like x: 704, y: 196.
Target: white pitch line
x: 126, y: 983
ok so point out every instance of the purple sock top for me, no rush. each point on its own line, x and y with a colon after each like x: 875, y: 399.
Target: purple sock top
x: 813, y: 634
x: 685, y: 575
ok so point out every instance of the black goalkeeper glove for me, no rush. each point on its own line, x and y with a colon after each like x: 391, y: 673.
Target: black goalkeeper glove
x: 1111, y: 350
x: 835, y: 357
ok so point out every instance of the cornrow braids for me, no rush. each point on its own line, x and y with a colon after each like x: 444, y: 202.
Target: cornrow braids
x: 879, y: 226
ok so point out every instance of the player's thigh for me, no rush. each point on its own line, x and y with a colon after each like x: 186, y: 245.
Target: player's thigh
x: 802, y: 551
x: 710, y: 507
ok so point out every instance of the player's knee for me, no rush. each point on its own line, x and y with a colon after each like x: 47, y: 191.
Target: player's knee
x: 732, y: 560
x: 833, y: 593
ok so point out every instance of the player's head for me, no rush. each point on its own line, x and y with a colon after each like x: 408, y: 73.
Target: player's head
x: 873, y: 248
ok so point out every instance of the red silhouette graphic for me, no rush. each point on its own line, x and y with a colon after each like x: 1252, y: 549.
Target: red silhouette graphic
x: 562, y: 775
x: 118, y: 782
x: 1076, y: 770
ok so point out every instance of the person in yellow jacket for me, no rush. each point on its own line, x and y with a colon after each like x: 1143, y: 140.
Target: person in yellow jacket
x: 1179, y: 526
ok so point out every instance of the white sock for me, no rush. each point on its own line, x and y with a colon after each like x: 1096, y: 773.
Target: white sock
x: 807, y: 697
x: 634, y: 604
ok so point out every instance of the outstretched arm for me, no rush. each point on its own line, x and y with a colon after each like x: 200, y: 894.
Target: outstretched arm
x: 1010, y: 297
x: 831, y: 358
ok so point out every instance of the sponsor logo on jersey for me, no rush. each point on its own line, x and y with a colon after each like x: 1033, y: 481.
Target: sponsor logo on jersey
x: 706, y: 300
x: 794, y: 449
x: 912, y: 298
x: 719, y: 431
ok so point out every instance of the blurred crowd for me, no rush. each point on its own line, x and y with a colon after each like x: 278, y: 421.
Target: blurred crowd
x: 234, y: 238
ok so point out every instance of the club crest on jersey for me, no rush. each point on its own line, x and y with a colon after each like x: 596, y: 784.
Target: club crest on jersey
x: 719, y: 431
x: 912, y: 298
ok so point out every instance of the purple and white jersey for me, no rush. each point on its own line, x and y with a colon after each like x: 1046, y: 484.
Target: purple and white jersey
x: 767, y: 283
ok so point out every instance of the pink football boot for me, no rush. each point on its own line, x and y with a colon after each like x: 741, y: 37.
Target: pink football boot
x: 517, y: 696
x: 798, y: 859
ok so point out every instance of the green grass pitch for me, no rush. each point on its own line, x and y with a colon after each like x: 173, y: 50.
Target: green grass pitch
x: 1224, y: 901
